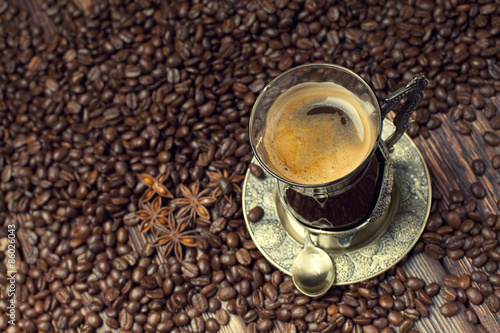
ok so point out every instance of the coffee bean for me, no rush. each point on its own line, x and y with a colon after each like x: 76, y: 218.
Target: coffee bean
x: 226, y: 293
x: 434, y: 251
x: 453, y: 219
x: 93, y: 319
x: 406, y: 326
x: 256, y: 170
x: 290, y: 328
x: 461, y: 126
x: 451, y: 281
x: 264, y: 325
x: 415, y: 283
x: 283, y: 315
x: 474, y: 296
x: 397, y: 286
x: 477, y: 190
x: 486, y: 288
x: 448, y: 309
x: 421, y: 307
x: 432, y: 289
x: 478, y: 167
x: 471, y: 316
x: 448, y: 293
x: 211, y: 325
x: 222, y: 317
x: 386, y: 301
x: 198, y: 324
x: 255, y: 214
x: 491, y: 138
x: 493, y: 303
x: 395, y: 318
x: 200, y: 302
x: 181, y: 319
x: 298, y: 312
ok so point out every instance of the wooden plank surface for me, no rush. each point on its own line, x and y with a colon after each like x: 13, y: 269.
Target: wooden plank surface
x: 448, y: 156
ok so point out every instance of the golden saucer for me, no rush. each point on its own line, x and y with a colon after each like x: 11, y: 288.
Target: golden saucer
x: 280, y: 240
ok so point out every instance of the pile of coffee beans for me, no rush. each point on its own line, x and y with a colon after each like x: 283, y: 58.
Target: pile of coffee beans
x: 120, y: 88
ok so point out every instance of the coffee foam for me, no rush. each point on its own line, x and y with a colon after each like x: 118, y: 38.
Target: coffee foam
x: 316, y: 149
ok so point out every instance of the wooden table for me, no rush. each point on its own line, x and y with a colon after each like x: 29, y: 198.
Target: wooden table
x: 448, y: 156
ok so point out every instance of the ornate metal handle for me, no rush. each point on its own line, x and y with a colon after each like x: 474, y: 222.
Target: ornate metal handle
x: 414, y: 90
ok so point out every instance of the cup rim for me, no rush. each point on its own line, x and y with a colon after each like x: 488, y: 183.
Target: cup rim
x: 333, y: 182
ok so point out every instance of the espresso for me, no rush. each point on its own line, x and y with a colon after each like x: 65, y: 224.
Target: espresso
x: 318, y: 132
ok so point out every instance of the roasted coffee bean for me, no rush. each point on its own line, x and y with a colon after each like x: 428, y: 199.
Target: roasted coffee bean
x: 290, y: 328
x: 477, y: 276
x: 406, y: 326
x: 477, y: 190
x: 493, y: 303
x: 283, y: 315
x: 491, y: 138
x: 211, y: 325
x: 461, y: 126
x: 448, y: 293
x: 93, y: 319
x: 421, y: 307
x: 181, y: 319
x: 395, y: 318
x: 243, y: 257
x: 386, y: 301
x: 198, y: 324
x: 464, y: 282
x: 222, y: 317
x: 450, y: 280
x: 478, y: 167
x: 397, y: 286
x: 448, y: 309
x: 474, y: 296
x: 432, y: 289
x: 264, y: 325
x: 434, y: 251
x: 486, y: 288
x: 471, y: 316
x: 255, y: 214
x: 414, y: 283
x: 256, y: 170
x: 200, y: 302
x: 298, y: 312
x: 226, y: 293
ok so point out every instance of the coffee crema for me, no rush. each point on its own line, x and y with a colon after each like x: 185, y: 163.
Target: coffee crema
x: 317, y: 133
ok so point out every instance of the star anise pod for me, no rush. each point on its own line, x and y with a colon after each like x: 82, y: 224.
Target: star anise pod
x: 194, y: 203
x: 174, y: 235
x: 153, y: 214
x: 223, y: 183
x: 155, y: 185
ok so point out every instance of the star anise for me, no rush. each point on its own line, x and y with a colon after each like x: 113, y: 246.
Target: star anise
x: 194, y: 203
x: 153, y: 214
x: 155, y: 185
x: 223, y: 183
x: 174, y: 235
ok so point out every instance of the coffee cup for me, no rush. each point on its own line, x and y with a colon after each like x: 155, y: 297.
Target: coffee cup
x: 317, y: 129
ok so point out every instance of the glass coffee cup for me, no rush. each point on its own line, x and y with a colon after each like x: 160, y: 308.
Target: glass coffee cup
x: 317, y: 128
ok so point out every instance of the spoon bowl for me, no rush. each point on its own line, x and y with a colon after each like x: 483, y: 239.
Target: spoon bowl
x: 313, y: 272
